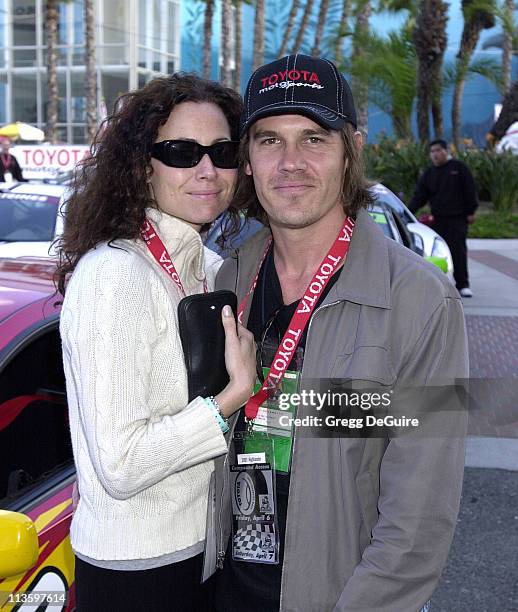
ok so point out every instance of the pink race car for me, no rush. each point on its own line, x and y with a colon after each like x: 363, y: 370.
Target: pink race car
x: 36, y: 466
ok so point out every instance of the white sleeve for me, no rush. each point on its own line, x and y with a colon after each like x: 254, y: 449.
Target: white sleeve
x: 110, y: 330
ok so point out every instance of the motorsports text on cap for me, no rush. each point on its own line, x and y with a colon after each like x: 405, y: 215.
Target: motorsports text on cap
x: 291, y: 78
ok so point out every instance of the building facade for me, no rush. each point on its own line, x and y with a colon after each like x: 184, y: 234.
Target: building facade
x: 135, y: 41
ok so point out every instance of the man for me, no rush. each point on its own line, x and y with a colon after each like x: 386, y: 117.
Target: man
x: 362, y: 525
x: 449, y: 187
x: 9, y: 167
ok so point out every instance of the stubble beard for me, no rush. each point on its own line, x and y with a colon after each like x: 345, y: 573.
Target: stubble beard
x: 293, y: 212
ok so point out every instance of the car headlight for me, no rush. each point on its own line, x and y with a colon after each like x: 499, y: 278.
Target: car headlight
x: 439, y: 248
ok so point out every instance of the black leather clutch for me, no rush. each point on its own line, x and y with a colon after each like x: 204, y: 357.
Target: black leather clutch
x: 203, y: 341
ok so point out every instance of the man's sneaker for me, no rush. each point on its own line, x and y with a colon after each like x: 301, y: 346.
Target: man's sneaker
x: 466, y: 292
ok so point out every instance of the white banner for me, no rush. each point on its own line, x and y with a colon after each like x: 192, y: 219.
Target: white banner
x: 47, y: 161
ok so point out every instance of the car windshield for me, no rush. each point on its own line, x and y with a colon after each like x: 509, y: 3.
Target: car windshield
x: 384, y: 195
x: 27, y: 217
x: 378, y: 214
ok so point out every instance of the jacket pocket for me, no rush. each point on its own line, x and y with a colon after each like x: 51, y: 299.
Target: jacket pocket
x: 365, y: 363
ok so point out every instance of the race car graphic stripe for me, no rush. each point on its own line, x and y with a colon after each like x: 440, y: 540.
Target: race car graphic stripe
x: 47, y: 519
x: 61, y: 496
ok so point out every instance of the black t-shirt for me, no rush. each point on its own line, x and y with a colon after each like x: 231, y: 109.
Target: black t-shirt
x: 255, y: 587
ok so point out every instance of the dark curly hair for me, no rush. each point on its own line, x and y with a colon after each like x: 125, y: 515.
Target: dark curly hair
x: 355, y: 187
x: 110, y: 191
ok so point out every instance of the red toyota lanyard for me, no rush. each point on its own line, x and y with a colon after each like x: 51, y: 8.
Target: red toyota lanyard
x: 335, y: 256
x: 159, y: 252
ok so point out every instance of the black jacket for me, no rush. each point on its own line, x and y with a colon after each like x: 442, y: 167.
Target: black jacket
x: 14, y: 169
x: 449, y: 188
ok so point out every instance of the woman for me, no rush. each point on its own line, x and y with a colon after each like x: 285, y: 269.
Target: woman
x: 166, y: 163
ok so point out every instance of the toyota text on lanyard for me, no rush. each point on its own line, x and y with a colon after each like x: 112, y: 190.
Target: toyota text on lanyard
x: 334, y: 258
x: 159, y: 252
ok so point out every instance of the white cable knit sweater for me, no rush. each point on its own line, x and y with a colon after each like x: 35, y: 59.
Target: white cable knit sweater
x: 143, y: 453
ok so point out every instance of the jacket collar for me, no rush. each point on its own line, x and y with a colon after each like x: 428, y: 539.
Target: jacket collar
x: 365, y: 278
x: 184, y: 245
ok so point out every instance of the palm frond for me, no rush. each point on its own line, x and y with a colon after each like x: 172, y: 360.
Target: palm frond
x: 489, y: 69
x: 388, y: 65
x: 472, y: 8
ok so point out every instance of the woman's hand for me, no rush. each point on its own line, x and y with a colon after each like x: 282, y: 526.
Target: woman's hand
x: 240, y: 363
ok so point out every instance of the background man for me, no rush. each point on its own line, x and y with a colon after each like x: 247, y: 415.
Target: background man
x: 9, y: 167
x: 449, y: 187
x: 364, y: 525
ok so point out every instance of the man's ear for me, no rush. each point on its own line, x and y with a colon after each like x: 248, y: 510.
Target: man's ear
x: 358, y: 139
x: 248, y: 169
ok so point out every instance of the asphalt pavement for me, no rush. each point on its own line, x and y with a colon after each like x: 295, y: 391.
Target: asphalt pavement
x: 481, y: 574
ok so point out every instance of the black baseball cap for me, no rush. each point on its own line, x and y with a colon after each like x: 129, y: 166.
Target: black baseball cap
x: 299, y: 85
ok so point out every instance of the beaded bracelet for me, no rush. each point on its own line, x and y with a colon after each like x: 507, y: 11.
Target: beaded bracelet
x: 216, y: 411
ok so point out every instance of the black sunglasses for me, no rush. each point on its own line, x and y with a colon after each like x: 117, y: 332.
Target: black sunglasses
x: 265, y: 351
x: 273, y: 340
x: 188, y: 153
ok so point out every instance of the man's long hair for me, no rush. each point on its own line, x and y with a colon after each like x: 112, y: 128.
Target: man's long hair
x: 355, y: 187
x: 110, y: 191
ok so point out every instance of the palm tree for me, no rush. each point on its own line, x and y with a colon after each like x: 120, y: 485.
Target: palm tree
x: 506, y: 41
x: 91, y: 73
x: 430, y: 43
x: 207, y: 38
x: 51, y: 29
x: 437, y: 93
x: 322, y: 14
x: 478, y: 15
x: 359, y: 85
x: 507, y: 49
x: 508, y: 114
x: 302, y: 27
x: 226, y: 43
x: 289, y: 27
x: 258, y: 57
x: 238, y: 43
x: 387, y: 68
x: 342, y: 29
x: 51, y: 36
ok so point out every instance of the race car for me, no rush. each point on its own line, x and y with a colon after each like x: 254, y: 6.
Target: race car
x: 36, y: 466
